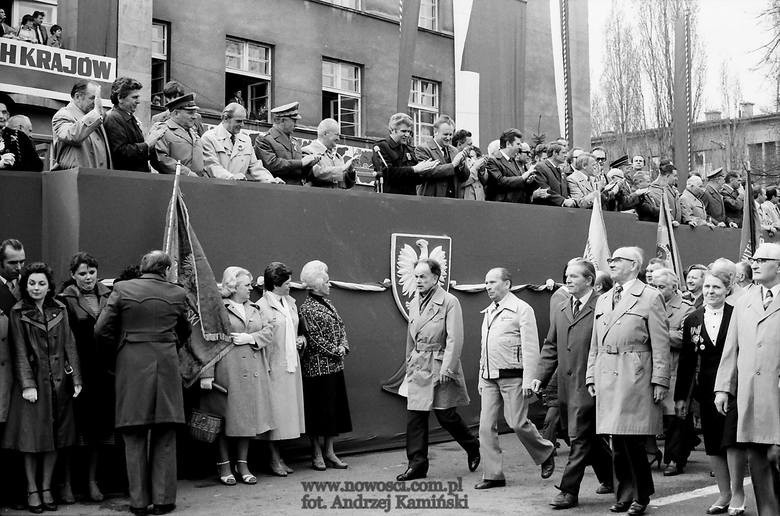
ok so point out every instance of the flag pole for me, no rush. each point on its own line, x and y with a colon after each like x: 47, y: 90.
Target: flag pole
x: 168, y: 240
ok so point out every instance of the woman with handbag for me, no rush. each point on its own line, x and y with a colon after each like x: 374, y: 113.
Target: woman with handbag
x: 704, y: 334
x: 243, y: 373
x: 47, y: 378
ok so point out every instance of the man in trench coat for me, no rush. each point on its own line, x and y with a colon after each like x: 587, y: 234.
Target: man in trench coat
x: 628, y: 373
x: 748, y: 375
x: 434, y: 375
x: 145, y: 321
x: 565, y: 350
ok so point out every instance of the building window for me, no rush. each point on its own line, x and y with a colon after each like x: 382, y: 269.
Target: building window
x: 423, y: 108
x: 429, y: 14
x: 160, y: 62
x: 22, y: 7
x: 341, y: 95
x: 352, y: 4
x: 248, y: 76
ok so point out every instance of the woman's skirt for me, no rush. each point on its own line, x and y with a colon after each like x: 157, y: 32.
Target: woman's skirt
x: 325, y: 404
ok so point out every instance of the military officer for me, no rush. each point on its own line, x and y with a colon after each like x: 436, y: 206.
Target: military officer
x: 280, y: 152
x: 180, y: 141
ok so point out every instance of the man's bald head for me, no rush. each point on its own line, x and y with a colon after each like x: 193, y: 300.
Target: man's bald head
x: 233, y: 117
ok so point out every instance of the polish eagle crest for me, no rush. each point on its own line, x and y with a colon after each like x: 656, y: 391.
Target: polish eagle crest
x: 406, y: 250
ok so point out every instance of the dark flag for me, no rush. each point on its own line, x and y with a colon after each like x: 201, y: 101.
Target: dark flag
x: 409, y: 17
x: 210, y: 339
x: 751, y: 228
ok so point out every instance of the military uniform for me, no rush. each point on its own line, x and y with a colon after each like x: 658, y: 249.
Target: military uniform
x: 281, y: 153
x: 179, y: 144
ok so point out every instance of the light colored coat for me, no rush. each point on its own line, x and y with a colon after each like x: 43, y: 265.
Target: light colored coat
x: 510, y: 340
x: 434, y: 341
x: 329, y: 172
x: 581, y: 189
x: 78, y: 139
x: 629, y: 353
x: 224, y: 160
x: 677, y: 310
x: 750, y: 367
x: 692, y: 209
x: 178, y: 143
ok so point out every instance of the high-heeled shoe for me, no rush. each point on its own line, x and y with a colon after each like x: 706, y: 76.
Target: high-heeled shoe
x: 336, y: 464
x: 94, y: 492
x: 278, y: 470
x: 718, y: 509
x: 227, y: 480
x: 737, y: 511
x: 318, y: 464
x: 34, y: 508
x: 48, y: 505
x: 287, y: 468
x: 246, y: 478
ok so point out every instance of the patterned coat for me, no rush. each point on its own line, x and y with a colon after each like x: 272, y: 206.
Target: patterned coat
x: 325, y: 332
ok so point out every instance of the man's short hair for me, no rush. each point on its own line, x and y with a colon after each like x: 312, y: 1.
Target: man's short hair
x: 460, y: 136
x: 173, y: 89
x: 554, y: 148
x: 79, y: 87
x: 399, y: 119
x: 13, y: 243
x: 771, y: 193
x: 605, y: 280
x: 229, y: 111
x: 504, y: 274
x: 433, y: 266
x: 582, y: 160
x: 665, y: 167
x: 588, y: 269
x: 155, y: 262
x: 54, y: 28
x: 731, y: 175
x: 694, y: 181
x: 509, y: 136
x: 122, y: 87
x: 443, y: 119
x: 746, y: 269
x: 667, y: 274
x: 328, y: 125
x: 35, y: 14
x: 599, y: 148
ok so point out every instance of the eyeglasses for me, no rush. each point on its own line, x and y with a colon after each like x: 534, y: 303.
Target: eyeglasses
x: 618, y: 258
x: 762, y: 260
x: 601, y: 160
x: 525, y: 152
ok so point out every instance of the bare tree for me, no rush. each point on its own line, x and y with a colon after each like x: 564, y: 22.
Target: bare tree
x: 770, y: 51
x: 619, y: 104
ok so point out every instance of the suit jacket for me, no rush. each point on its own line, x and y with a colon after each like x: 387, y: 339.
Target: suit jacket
x: 126, y: 140
x: 399, y: 177
x: 78, y: 139
x: 330, y: 171
x: 691, y: 208
x: 713, y: 203
x: 8, y: 297
x: 281, y: 155
x: 732, y: 203
x: 225, y: 160
x: 650, y: 209
x: 548, y: 176
x: 566, y: 349
x: 505, y: 181
x: 434, y: 341
x: 444, y: 180
x: 41, y: 35
x: 581, y: 188
x: 750, y: 368
x: 629, y: 353
x: 510, y: 341
x: 182, y: 144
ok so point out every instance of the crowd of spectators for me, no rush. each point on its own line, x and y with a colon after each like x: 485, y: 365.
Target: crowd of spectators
x: 32, y: 30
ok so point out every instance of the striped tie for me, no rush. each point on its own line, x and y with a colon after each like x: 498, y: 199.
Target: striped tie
x: 768, y: 297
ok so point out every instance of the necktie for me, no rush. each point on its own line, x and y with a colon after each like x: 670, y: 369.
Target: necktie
x: 232, y: 139
x: 577, y: 306
x: 768, y: 299
x: 616, y: 295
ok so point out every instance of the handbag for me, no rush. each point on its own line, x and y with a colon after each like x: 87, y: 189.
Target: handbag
x: 204, y: 426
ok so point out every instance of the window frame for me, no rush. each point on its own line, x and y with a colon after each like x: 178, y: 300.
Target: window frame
x: 416, y: 108
x: 340, y: 3
x: 342, y: 93
x: 164, y: 58
x: 245, y: 58
x: 430, y: 23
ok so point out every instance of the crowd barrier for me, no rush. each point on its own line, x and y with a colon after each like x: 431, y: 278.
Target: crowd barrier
x: 117, y: 216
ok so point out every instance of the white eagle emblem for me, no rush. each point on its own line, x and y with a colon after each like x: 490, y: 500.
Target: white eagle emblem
x: 404, y: 256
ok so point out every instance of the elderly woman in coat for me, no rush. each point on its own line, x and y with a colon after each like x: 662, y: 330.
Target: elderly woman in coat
x: 48, y: 377
x: 243, y: 372
x: 279, y: 310
x: 628, y: 373
x: 324, y: 390
x: 84, y: 299
x: 434, y: 375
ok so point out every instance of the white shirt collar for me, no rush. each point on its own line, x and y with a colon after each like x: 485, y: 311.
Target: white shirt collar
x: 775, y: 291
x: 584, y: 299
x: 504, y: 154
x: 628, y: 284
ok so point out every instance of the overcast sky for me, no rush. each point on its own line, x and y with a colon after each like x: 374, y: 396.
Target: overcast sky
x: 730, y: 31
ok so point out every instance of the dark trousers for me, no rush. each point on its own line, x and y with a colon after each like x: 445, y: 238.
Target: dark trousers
x: 587, y: 448
x: 633, y: 479
x: 150, y: 452
x: 766, y: 480
x: 417, y: 435
x: 680, y: 439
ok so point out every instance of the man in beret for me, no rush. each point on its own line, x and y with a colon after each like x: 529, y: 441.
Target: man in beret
x: 180, y: 141
x: 280, y: 151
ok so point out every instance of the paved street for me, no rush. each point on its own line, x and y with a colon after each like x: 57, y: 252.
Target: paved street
x: 526, y: 492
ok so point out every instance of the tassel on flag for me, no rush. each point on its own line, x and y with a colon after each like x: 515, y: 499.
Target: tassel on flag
x: 666, y: 245
x: 751, y: 227
x: 596, y: 247
x: 210, y: 338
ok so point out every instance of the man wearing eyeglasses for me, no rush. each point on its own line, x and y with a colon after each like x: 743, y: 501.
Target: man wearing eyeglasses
x: 628, y: 373
x: 748, y: 375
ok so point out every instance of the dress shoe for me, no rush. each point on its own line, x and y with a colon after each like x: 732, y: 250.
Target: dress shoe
x: 139, y: 511
x: 672, y: 470
x: 32, y: 506
x: 718, y: 509
x: 48, y: 500
x: 620, y: 507
x: 318, y: 464
x: 548, y: 466
x: 637, y: 508
x: 278, y: 470
x: 411, y: 474
x: 474, y: 461
x: 163, y: 508
x: 604, y: 489
x: 336, y: 463
x: 564, y: 501
x: 489, y: 484
x: 737, y: 511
